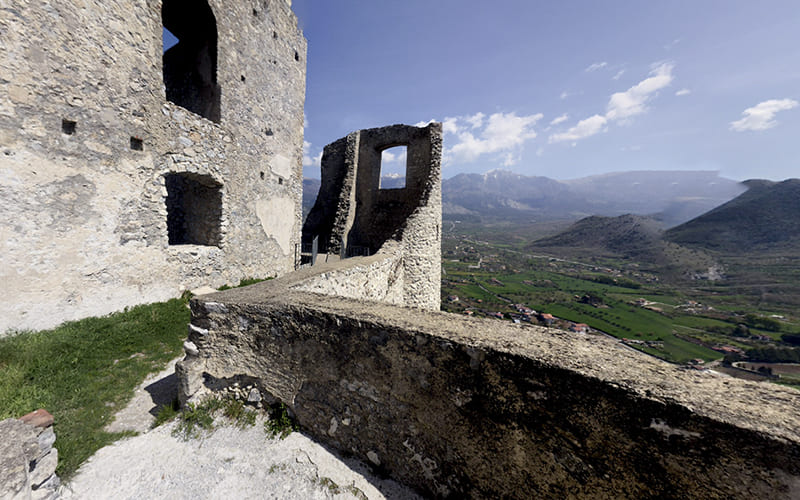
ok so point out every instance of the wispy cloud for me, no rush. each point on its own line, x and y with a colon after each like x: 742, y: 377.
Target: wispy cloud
x: 584, y: 128
x: 500, y: 135
x: 596, y: 66
x: 632, y: 102
x: 669, y: 45
x: 682, y: 92
x: 622, y: 106
x: 559, y: 119
x: 618, y: 75
x: 761, y: 116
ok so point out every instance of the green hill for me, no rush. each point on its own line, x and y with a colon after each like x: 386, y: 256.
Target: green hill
x: 764, y: 218
x: 630, y: 237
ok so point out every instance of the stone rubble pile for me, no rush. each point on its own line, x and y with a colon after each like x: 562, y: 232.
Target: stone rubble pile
x: 248, y: 394
x: 27, y: 458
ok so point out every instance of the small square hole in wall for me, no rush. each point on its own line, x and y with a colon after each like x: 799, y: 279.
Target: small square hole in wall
x: 296, y: 56
x: 393, y: 168
x: 68, y: 126
x: 137, y: 144
x: 262, y: 175
x: 280, y: 180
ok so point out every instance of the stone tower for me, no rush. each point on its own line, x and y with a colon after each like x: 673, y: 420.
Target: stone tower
x: 128, y: 172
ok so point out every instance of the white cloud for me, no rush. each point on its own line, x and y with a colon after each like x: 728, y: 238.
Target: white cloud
x: 424, y: 124
x: 632, y: 102
x: 559, y: 119
x: 398, y: 156
x: 596, y: 66
x: 585, y: 128
x: 564, y: 95
x: 475, y: 120
x: 618, y: 75
x: 760, y: 116
x: 500, y: 134
x: 621, y: 105
x: 307, y: 161
x: 683, y: 92
x: 450, y: 125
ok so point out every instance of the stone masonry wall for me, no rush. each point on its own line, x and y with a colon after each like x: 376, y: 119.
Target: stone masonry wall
x: 87, y: 137
x: 462, y: 407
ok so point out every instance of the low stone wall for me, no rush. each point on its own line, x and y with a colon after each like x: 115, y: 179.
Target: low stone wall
x: 379, y: 277
x: 464, y: 407
x: 27, y: 458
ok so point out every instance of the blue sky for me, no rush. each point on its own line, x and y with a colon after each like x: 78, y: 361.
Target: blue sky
x: 563, y: 89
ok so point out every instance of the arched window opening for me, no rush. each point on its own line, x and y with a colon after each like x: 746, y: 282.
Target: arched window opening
x: 190, y: 65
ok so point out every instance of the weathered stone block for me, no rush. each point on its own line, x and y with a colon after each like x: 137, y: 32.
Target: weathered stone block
x: 18, y: 446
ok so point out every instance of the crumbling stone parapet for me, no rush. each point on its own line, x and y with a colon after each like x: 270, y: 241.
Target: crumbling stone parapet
x: 462, y: 407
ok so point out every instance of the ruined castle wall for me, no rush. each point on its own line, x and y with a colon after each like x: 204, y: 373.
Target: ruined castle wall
x: 353, y: 210
x: 331, y: 217
x: 87, y: 138
x: 473, y: 408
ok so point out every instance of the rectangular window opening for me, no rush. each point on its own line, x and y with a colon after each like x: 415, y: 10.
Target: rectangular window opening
x: 194, y: 209
x: 393, y: 167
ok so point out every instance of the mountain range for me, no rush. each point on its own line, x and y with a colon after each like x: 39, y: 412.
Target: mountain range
x: 671, y: 197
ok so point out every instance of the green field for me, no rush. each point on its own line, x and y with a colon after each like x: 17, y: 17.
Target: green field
x: 602, y: 293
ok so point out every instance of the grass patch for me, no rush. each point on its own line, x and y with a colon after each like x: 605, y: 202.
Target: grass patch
x: 196, y: 419
x: 244, y: 282
x: 84, y: 371
x: 167, y: 413
x: 280, y: 423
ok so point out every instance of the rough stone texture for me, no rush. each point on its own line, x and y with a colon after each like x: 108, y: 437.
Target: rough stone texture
x: 352, y: 210
x: 27, y: 458
x: 18, y: 445
x: 379, y: 277
x: 457, y: 406
x: 88, y: 136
